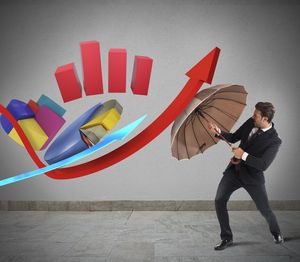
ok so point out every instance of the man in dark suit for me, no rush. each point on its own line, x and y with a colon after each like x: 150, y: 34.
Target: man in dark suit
x: 258, y: 148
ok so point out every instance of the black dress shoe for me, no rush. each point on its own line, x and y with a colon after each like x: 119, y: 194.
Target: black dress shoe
x: 278, y: 239
x: 224, y: 244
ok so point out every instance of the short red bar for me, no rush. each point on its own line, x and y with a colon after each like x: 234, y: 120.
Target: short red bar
x: 117, y: 59
x: 92, y: 70
x: 68, y: 82
x: 141, y: 75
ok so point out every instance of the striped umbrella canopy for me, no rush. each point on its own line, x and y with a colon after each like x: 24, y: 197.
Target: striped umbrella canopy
x: 220, y: 104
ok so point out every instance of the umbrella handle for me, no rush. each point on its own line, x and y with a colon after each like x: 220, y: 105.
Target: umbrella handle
x: 234, y: 160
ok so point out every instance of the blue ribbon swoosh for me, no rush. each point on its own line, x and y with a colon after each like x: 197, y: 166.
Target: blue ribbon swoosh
x: 115, y: 136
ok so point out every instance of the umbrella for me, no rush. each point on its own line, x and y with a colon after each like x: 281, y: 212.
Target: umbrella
x: 220, y: 104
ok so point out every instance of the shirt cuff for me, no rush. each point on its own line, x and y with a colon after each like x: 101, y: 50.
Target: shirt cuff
x: 244, y: 156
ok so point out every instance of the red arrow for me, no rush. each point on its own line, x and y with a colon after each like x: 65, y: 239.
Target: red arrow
x: 200, y: 73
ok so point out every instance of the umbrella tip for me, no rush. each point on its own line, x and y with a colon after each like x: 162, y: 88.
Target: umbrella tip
x: 204, y: 70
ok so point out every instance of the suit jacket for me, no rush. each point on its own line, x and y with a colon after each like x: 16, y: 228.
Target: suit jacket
x: 262, y: 151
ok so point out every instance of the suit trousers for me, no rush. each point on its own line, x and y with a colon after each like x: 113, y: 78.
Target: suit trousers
x: 228, y: 184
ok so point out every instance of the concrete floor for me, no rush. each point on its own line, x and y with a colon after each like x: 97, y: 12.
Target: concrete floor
x: 142, y: 236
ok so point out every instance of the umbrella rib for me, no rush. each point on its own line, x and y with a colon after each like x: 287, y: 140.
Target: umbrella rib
x: 210, y: 100
x: 186, y: 148
x: 206, y: 129
x: 211, y: 97
x: 177, y: 141
x: 227, y: 99
x: 196, y: 137
x: 190, y: 118
x: 226, y: 91
x: 217, y: 121
x: 223, y: 112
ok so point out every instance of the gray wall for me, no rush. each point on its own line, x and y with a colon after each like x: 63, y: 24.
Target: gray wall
x: 259, y: 49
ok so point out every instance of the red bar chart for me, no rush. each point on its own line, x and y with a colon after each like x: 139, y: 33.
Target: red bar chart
x: 141, y: 75
x: 91, y: 65
x: 68, y: 82
x: 117, y: 58
x: 71, y: 88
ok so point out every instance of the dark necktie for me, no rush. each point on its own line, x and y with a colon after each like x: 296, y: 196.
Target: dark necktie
x: 252, y: 138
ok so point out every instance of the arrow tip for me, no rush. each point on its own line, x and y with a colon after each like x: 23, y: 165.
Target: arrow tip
x: 205, y: 69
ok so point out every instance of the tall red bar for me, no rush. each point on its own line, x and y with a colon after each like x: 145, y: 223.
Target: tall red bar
x: 117, y: 58
x: 68, y: 82
x: 141, y: 75
x: 92, y: 70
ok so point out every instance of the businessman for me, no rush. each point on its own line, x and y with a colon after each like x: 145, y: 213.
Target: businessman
x: 259, y: 144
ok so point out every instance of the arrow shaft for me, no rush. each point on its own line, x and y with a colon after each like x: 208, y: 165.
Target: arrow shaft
x: 126, y: 150
x: 139, y: 141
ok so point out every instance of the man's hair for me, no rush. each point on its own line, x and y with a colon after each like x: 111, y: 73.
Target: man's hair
x: 267, y: 110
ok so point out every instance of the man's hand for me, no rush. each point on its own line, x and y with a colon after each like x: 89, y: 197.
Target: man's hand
x: 238, y: 152
x: 214, y: 128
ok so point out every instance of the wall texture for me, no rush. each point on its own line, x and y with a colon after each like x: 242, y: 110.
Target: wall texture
x: 259, y: 49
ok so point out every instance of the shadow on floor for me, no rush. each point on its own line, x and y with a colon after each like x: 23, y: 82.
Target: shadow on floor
x: 246, y: 243
x: 287, y: 239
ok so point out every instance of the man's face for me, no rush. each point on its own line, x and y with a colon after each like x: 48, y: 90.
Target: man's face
x: 259, y: 120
